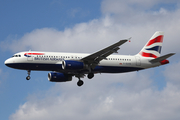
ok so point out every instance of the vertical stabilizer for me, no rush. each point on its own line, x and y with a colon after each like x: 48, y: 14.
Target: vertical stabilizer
x: 152, y: 49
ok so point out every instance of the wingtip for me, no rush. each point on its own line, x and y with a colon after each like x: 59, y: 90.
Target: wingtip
x: 172, y: 53
x: 124, y: 40
x: 129, y: 38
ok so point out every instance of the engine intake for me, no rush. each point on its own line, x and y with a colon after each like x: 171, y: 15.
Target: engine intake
x: 59, y: 77
x: 72, y: 65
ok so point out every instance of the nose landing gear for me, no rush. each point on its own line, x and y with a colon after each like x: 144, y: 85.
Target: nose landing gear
x: 28, y: 77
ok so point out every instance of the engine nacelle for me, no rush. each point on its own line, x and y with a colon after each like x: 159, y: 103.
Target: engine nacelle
x: 59, y: 77
x: 72, y: 65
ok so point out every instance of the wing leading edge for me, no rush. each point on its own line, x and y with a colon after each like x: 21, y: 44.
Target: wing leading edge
x: 93, y: 59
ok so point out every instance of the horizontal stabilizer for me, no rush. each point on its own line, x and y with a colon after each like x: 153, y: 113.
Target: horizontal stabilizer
x: 159, y: 59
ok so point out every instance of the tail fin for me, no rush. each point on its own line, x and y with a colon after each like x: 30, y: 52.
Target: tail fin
x: 153, y: 47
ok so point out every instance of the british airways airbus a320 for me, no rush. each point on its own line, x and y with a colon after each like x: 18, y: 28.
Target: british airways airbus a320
x: 66, y: 65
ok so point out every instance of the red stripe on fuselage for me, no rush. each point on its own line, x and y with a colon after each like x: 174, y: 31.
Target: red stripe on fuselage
x: 155, y: 40
x: 34, y: 54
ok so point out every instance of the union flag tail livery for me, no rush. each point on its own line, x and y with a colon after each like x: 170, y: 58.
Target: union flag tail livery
x: 153, y: 47
x: 66, y: 65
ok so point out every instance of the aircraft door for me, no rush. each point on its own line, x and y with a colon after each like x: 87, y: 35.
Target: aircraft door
x: 138, y: 61
x: 30, y: 58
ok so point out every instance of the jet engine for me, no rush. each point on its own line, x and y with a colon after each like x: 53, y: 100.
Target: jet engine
x: 59, y: 77
x: 72, y: 65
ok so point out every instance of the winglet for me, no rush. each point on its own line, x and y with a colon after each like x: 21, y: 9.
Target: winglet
x: 129, y: 39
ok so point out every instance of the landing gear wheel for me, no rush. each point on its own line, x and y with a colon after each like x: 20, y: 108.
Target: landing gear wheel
x: 80, y: 83
x: 28, y: 78
x: 90, y: 75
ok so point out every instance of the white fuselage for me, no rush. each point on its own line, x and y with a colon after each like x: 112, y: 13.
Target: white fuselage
x: 52, y: 61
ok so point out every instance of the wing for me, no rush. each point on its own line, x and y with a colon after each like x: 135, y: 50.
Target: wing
x: 93, y: 59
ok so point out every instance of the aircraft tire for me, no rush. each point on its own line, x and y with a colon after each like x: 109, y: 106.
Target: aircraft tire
x: 80, y: 83
x: 90, y: 75
x: 28, y: 78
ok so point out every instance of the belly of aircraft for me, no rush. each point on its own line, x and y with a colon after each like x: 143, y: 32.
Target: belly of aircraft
x: 58, y: 67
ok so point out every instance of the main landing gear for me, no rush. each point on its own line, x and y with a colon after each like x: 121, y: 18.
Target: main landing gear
x: 28, y: 77
x: 90, y: 75
x: 80, y: 82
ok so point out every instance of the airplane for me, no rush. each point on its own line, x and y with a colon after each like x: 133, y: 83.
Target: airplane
x: 66, y: 65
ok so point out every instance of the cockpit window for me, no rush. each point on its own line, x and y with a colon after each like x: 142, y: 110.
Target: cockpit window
x: 16, y: 56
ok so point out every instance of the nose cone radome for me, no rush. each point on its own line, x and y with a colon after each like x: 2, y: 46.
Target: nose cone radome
x: 12, y: 64
x: 8, y: 62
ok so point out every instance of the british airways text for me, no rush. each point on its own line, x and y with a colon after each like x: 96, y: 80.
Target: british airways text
x: 48, y: 59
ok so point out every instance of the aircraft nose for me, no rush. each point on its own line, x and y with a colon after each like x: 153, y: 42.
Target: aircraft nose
x: 7, y: 62
x: 10, y: 63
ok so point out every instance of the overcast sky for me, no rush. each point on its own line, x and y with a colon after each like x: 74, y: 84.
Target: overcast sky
x: 88, y: 26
